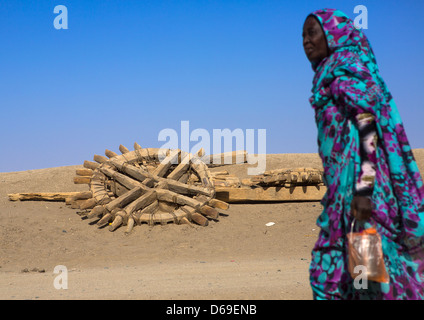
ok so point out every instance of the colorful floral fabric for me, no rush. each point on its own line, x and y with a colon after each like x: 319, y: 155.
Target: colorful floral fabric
x: 362, y: 144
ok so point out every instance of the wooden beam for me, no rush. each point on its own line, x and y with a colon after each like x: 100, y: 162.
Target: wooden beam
x: 125, y: 199
x: 277, y: 194
x: 44, y: 196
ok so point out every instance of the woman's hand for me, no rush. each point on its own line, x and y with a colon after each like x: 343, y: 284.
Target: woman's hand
x: 361, y: 208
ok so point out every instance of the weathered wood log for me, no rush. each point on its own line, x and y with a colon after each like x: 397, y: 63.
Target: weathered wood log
x: 90, y: 165
x: 116, y: 188
x: 97, y: 211
x: 288, y: 177
x: 184, y: 178
x: 125, y: 199
x: 140, y: 203
x: 116, y: 222
x: 227, y: 181
x: 82, y: 180
x: 126, y: 181
x: 84, y: 195
x: 200, y: 153
x: 184, y: 220
x: 218, y: 204
x: 245, y: 195
x: 76, y: 204
x: 88, y: 204
x: 194, y: 216
x: 100, y: 159
x: 169, y: 196
x: 136, y: 173
x: 178, y: 172
x: 130, y: 225
x: 104, y: 220
x: 205, y: 209
x: 110, y: 154
x: 163, y: 167
x: 167, y: 206
x: 210, y: 212
x: 45, y: 196
x: 84, y: 172
x: 203, y: 173
x: 183, y: 188
x: 123, y: 149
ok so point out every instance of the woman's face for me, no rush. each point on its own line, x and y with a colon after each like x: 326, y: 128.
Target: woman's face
x: 314, y: 40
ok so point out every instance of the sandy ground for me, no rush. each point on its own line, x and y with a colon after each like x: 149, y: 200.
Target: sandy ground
x: 238, y: 257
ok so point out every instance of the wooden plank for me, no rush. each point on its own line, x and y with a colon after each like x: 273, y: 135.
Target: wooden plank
x: 278, y: 194
x: 43, y: 196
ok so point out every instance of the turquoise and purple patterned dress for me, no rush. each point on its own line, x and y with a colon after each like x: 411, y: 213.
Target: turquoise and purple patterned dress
x: 365, y: 151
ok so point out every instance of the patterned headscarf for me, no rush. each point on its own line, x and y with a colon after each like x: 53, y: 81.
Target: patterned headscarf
x: 341, y: 34
x: 350, y: 50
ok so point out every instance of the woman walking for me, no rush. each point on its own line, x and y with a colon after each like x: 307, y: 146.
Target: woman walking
x: 369, y: 169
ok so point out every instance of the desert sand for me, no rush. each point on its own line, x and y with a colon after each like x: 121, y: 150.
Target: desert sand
x: 235, y: 258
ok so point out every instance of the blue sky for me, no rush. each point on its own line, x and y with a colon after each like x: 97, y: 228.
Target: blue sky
x: 125, y: 70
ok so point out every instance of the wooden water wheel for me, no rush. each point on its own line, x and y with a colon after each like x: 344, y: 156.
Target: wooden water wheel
x: 148, y: 185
